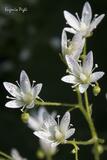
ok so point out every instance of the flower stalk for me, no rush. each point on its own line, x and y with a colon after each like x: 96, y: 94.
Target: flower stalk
x: 39, y: 103
x: 5, y: 155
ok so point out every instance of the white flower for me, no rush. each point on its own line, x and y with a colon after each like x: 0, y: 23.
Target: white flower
x: 81, y: 75
x: 15, y: 155
x: 72, y: 48
x: 85, y: 25
x: 24, y: 94
x: 54, y: 132
x: 36, y: 122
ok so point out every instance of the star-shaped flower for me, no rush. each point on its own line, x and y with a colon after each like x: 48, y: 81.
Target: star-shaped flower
x: 85, y: 25
x: 36, y: 122
x: 24, y: 94
x: 54, y: 132
x: 82, y: 75
x: 72, y: 47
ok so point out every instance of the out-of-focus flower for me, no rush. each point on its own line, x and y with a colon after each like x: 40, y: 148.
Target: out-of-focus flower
x: 36, y: 122
x: 81, y: 75
x: 24, y: 94
x: 16, y: 156
x: 85, y: 25
x: 25, y: 54
x: 72, y: 48
x: 54, y: 132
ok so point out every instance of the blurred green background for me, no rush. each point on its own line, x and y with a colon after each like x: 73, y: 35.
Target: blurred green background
x: 31, y: 41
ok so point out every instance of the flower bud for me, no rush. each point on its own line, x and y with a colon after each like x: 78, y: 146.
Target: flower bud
x: 96, y: 90
x: 73, y: 151
x: 25, y: 117
x: 40, y: 154
x: 100, y: 149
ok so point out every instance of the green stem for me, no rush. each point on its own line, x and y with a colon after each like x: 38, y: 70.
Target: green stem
x: 75, y: 150
x: 92, y: 128
x: 39, y: 103
x: 91, y: 124
x: 88, y: 142
x: 84, y: 50
x: 49, y: 157
x: 6, y: 155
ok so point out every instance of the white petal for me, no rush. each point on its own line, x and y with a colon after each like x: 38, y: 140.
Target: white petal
x: 88, y: 63
x: 86, y: 14
x: 69, y: 133
x: 49, y: 122
x: 96, y: 76
x: 14, y: 104
x: 33, y: 124
x: 73, y: 65
x: 96, y: 21
x: 83, y: 87
x: 43, y: 135
x: 36, y: 89
x: 77, y: 40
x: 64, y: 41
x: 65, y: 121
x: 69, y: 79
x: 12, y: 89
x: 71, y: 20
x: 42, y: 114
x: 47, y: 147
x: 71, y: 30
x: 25, y: 82
x: 78, y: 44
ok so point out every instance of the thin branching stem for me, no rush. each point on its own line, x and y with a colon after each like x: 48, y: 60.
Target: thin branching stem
x: 5, y: 155
x: 92, y: 128
x: 39, y: 103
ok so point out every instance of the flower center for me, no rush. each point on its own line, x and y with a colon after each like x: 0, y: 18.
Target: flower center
x: 83, y: 27
x: 84, y: 78
x: 27, y: 98
x: 59, y: 136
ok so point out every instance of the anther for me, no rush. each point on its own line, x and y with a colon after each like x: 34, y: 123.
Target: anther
x: 71, y: 125
x: 10, y: 97
x: 58, y: 116
x: 95, y: 15
x: 96, y: 66
x: 33, y: 83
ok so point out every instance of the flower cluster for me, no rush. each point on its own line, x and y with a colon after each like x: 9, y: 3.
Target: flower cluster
x: 80, y: 71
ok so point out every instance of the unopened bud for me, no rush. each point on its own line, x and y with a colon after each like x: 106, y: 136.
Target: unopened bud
x: 100, y: 149
x: 96, y: 90
x: 40, y: 154
x: 73, y: 151
x: 25, y: 117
